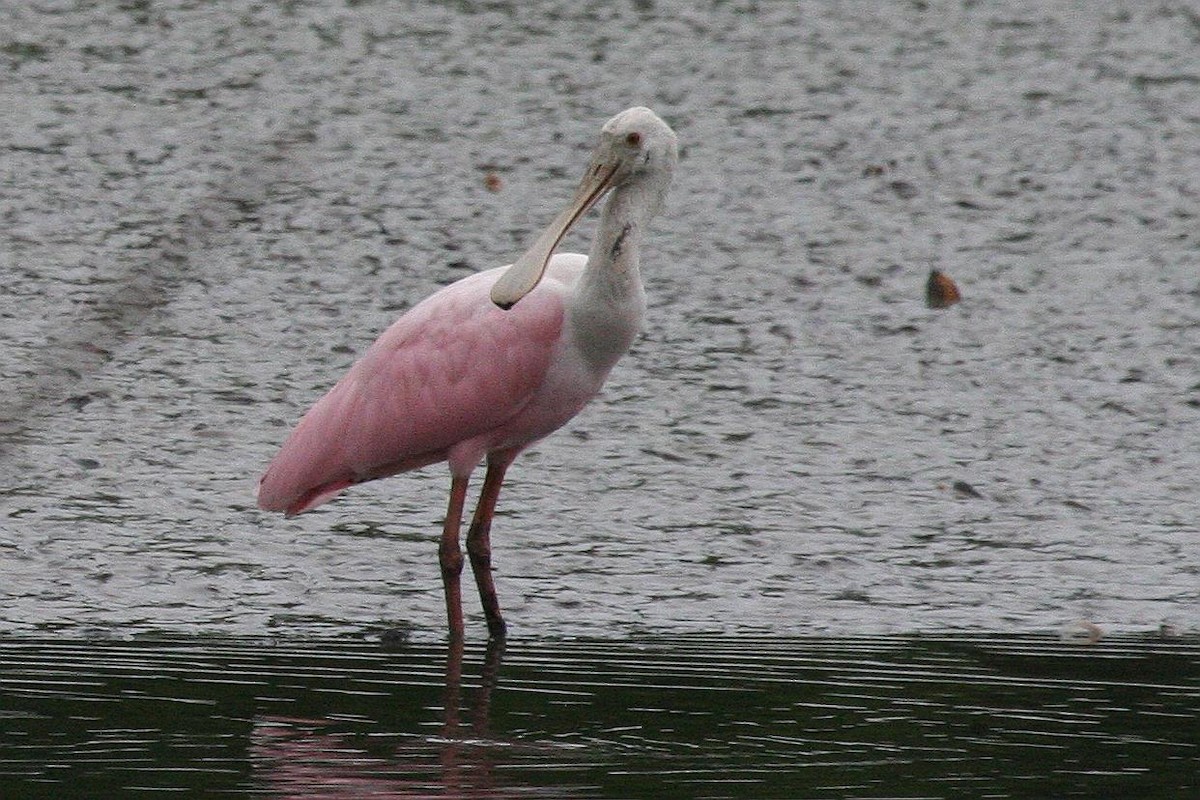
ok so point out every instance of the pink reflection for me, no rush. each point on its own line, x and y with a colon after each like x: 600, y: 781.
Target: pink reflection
x: 302, y: 758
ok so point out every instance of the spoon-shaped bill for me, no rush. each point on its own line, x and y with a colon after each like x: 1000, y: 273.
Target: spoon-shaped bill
x: 520, y: 279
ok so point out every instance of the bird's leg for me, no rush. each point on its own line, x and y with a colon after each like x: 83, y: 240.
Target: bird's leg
x: 479, y: 544
x: 451, y: 558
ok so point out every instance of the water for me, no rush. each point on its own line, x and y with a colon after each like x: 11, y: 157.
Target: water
x: 685, y: 717
x: 210, y: 208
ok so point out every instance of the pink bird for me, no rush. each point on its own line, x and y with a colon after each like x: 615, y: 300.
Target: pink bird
x: 490, y: 364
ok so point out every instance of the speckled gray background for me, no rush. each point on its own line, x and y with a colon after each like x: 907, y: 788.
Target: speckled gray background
x: 206, y: 209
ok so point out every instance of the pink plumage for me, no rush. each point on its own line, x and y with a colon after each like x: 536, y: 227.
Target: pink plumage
x: 449, y: 381
x: 490, y: 364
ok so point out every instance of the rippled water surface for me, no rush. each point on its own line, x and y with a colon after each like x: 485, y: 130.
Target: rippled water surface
x: 684, y: 717
x: 209, y: 208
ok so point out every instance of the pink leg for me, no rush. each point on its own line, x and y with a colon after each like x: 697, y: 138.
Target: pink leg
x: 479, y: 543
x: 451, y: 558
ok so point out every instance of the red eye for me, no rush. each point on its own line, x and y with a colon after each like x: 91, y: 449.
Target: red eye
x: 633, y: 139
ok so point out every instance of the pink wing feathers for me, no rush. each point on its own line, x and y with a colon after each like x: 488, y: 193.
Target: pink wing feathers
x: 452, y: 369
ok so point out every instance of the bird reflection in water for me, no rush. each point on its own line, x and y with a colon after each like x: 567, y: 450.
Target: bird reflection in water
x: 295, y: 757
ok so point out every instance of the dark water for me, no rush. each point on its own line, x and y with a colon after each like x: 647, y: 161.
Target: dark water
x: 822, y: 540
x: 686, y: 717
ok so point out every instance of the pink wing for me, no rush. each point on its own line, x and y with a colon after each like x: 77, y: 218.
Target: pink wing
x: 452, y: 369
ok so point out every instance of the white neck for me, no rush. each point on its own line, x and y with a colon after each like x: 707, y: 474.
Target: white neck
x: 609, y: 301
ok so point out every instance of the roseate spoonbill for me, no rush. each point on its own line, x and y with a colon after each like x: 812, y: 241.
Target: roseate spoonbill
x: 492, y: 363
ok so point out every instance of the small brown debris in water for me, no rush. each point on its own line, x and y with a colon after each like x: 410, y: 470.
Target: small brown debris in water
x: 940, y: 290
x: 492, y: 182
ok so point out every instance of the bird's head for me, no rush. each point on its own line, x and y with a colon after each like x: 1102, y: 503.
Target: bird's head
x: 637, y: 146
x: 636, y: 150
